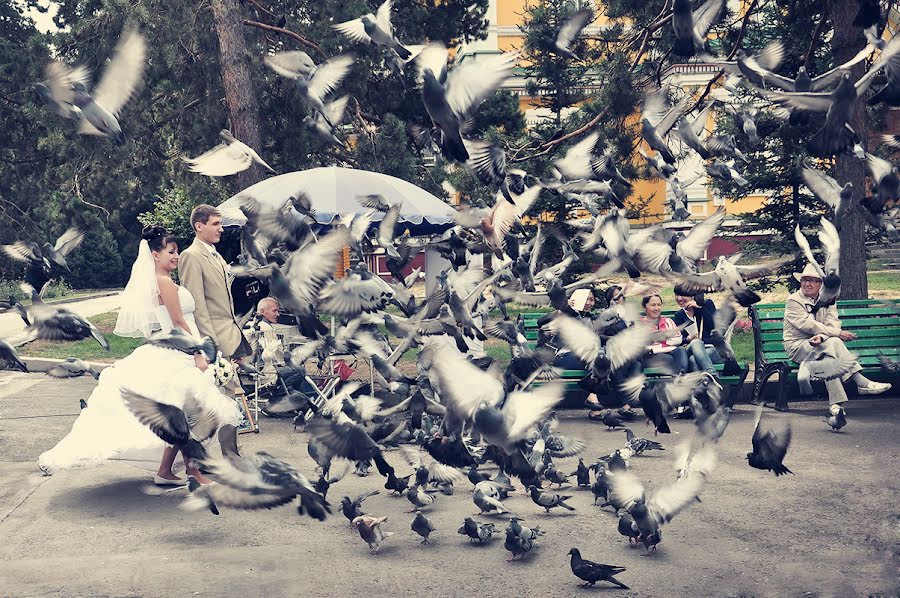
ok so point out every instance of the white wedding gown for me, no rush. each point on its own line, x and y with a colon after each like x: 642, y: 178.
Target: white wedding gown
x: 107, y: 430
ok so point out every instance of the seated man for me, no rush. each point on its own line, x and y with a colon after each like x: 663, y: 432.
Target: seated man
x: 268, y: 353
x: 699, y: 315
x: 804, y: 331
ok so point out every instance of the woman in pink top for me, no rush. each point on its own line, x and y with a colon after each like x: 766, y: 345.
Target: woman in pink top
x: 667, y: 352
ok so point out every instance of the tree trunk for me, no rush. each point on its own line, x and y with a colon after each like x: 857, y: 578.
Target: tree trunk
x: 243, y: 109
x: 846, y: 42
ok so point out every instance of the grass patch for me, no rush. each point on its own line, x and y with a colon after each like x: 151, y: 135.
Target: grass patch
x: 881, y: 285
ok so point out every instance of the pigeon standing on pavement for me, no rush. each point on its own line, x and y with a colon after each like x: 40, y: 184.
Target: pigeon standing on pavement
x: 591, y: 572
x: 837, y: 419
x: 481, y: 532
x: 549, y: 500
x: 370, y: 531
x: 582, y: 474
x: 422, y: 525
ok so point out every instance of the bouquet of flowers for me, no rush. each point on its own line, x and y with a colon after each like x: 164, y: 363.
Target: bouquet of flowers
x: 223, y: 370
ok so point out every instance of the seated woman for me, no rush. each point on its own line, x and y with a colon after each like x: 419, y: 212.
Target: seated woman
x: 699, y: 314
x: 668, y: 352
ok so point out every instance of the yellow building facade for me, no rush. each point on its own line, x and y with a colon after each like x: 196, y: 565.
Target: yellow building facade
x: 505, y: 17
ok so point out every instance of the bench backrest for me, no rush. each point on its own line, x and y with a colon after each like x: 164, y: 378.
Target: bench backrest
x: 876, y: 323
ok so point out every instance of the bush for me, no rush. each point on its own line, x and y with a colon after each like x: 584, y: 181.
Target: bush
x: 97, y: 263
x: 10, y: 288
x: 57, y: 288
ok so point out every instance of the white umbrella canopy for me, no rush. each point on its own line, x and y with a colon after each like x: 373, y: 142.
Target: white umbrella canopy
x: 333, y: 192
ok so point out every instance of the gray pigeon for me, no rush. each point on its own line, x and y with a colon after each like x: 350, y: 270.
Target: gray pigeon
x: 419, y: 498
x: 318, y: 126
x: 422, y: 525
x: 314, y: 86
x: 9, y: 358
x: 121, y: 78
x: 836, y: 136
x: 548, y: 500
x: 73, y: 368
x: 837, y: 419
x: 830, y: 191
x: 57, y: 89
x: 41, y: 256
x: 450, y: 98
x: 481, y: 532
x: 375, y: 29
x: 227, y: 158
x: 487, y: 503
x: 591, y: 572
x: 691, y: 26
x: 658, y: 118
x: 516, y: 545
x: 569, y: 32
x: 820, y: 366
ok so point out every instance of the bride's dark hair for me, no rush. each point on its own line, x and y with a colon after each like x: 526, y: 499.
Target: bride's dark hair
x: 157, y: 237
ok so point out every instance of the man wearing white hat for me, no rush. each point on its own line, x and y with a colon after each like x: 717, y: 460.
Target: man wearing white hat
x: 804, y: 331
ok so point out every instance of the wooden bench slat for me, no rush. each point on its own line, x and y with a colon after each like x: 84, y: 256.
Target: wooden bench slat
x: 776, y: 356
x: 778, y: 314
x: 865, y: 343
x: 842, y: 304
x: 878, y: 332
x: 894, y: 322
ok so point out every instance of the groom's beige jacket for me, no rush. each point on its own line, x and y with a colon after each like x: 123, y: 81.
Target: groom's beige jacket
x: 205, y: 277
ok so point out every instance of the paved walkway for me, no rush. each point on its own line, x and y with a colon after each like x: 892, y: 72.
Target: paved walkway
x: 11, y: 325
x: 830, y: 530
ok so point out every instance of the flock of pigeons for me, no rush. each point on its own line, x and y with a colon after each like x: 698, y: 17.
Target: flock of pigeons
x: 460, y: 412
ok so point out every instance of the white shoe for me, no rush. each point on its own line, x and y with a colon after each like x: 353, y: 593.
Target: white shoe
x: 160, y: 481
x: 873, y: 388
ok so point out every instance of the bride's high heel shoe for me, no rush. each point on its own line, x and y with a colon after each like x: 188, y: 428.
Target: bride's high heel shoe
x: 160, y: 481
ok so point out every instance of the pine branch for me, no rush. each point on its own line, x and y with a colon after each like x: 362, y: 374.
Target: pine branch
x: 295, y: 36
x: 751, y: 10
x: 262, y: 8
x: 816, y: 34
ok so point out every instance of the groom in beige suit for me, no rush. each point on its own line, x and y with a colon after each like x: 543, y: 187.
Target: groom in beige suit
x: 205, y: 274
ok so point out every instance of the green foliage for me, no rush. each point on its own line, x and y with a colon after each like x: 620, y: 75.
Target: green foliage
x: 561, y: 82
x: 50, y: 176
x: 173, y: 211
x: 97, y: 263
x: 10, y: 288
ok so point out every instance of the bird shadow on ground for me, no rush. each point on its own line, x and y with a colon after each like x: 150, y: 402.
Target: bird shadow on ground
x: 123, y: 499
x: 194, y: 537
x: 384, y: 550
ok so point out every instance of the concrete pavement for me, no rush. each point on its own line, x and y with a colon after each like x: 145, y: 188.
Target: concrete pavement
x: 12, y: 326
x: 830, y: 530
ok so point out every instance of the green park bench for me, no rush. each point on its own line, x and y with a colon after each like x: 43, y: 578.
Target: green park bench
x: 571, y: 378
x: 876, y: 323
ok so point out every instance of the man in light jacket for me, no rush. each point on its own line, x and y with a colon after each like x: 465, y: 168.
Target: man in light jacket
x: 805, y: 332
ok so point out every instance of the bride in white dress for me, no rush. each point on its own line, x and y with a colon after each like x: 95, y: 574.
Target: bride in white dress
x: 106, y: 429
